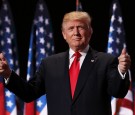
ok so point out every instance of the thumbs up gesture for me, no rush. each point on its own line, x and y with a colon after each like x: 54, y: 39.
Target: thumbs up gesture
x: 124, y: 61
x: 5, y: 70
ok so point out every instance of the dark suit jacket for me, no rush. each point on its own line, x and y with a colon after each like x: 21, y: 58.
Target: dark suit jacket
x: 98, y: 80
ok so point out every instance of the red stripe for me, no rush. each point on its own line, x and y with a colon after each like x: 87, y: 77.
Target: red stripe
x: 7, y: 113
x: 134, y: 102
x: 37, y: 113
x: 2, y: 100
x: 125, y: 103
x: 30, y: 108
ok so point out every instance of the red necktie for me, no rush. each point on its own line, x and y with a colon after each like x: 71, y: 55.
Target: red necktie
x: 74, y: 72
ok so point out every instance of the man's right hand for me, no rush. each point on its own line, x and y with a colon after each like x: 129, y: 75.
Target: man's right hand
x: 5, y: 70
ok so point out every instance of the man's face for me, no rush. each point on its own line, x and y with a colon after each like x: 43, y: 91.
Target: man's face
x: 77, y: 34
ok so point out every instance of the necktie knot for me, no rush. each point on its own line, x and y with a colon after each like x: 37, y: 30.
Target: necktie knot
x: 77, y: 55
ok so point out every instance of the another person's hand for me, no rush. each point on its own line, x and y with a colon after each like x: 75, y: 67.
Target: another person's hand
x: 124, y: 61
x: 5, y: 70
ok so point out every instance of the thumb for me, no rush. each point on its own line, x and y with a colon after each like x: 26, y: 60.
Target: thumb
x: 123, y: 51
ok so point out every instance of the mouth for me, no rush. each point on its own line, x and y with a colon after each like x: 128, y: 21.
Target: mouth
x: 77, y: 39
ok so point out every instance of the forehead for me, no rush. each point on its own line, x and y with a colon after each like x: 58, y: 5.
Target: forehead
x: 74, y: 23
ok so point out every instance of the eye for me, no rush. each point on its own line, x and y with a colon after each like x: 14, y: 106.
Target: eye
x: 70, y: 28
x: 81, y: 27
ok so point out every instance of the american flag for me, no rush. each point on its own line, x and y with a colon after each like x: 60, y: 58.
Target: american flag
x: 116, y: 42
x: 41, y: 46
x: 78, y: 6
x: 8, y: 46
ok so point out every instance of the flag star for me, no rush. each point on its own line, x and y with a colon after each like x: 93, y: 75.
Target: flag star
x: 9, y: 40
x: 2, y: 42
x: 8, y: 93
x: 5, y: 7
x: 117, y: 40
x: 52, y: 48
x: 16, y: 62
x: 29, y: 63
x: 110, y: 50
x: 41, y: 29
x: 12, y: 36
x: 46, y: 21
x: 50, y: 35
x: 48, y: 45
x: 30, y: 50
x: 112, y: 18
x: 39, y: 103
x: 7, y: 29
x: 9, y: 104
x: 35, y: 22
x: 42, y: 41
x: 11, y: 61
x: 119, y: 30
x: 114, y: 6
x: 10, y: 51
x: 124, y: 45
x: 42, y: 51
x: 41, y: 19
x: 117, y: 50
x: 120, y: 19
x: 28, y: 77
x: 36, y: 32
x: 110, y: 39
x: 1, y: 32
x: 7, y: 20
x: 41, y: 8
x: 111, y: 29
x: 37, y: 63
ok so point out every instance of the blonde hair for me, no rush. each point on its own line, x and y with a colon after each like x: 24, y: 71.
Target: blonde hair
x: 77, y: 15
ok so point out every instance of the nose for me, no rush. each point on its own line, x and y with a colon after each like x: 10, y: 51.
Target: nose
x: 76, y: 30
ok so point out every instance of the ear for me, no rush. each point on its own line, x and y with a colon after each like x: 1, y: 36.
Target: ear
x: 91, y: 30
x: 64, y: 35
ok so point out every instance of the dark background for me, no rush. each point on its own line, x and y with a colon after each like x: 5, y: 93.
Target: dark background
x: 23, y: 14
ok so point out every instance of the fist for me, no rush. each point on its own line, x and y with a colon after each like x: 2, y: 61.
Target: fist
x: 124, y: 61
x: 5, y: 70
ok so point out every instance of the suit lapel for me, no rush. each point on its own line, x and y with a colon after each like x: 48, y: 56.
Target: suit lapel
x: 64, y: 65
x: 86, y: 68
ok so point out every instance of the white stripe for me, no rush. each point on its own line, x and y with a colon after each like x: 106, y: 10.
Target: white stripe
x: 125, y: 111
x: 129, y: 72
x: 14, y: 112
x: 113, y: 105
x: 129, y: 96
x: 44, y: 111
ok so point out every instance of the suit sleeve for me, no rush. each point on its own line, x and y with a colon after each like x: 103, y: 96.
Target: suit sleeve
x: 117, y: 86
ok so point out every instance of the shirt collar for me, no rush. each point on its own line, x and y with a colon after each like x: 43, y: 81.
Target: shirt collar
x: 83, y: 53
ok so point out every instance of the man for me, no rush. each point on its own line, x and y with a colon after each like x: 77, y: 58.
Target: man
x: 101, y: 75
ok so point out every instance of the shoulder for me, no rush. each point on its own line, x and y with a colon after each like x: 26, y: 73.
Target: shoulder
x: 103, y: 55
x: 55, y: 57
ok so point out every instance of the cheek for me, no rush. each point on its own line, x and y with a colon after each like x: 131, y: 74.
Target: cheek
x: 68, y: 36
